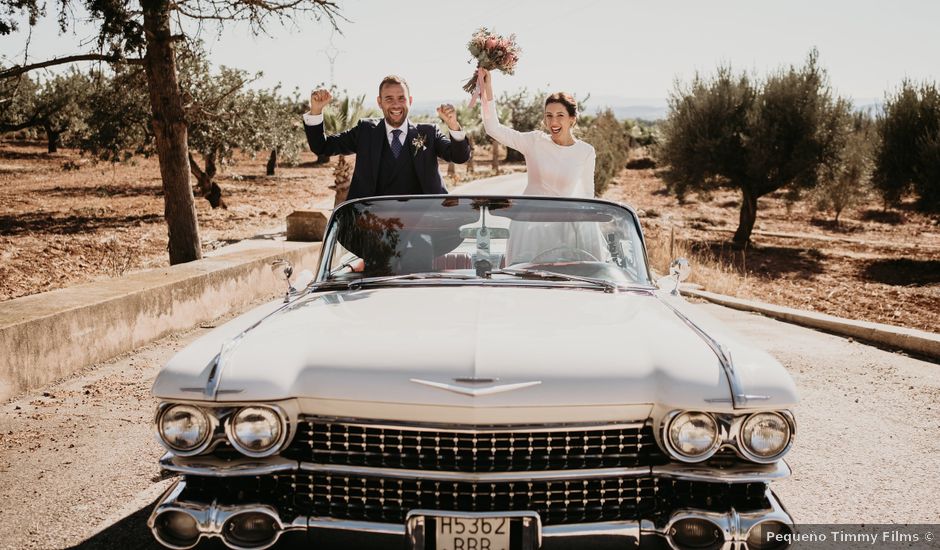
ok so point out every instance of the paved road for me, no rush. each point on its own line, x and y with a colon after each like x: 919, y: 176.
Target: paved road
x: 78, y: 461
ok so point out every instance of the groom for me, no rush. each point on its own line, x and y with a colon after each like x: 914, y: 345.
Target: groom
x: 393, y: 156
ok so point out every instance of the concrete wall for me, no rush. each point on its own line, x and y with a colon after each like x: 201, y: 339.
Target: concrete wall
x: 47, y: 336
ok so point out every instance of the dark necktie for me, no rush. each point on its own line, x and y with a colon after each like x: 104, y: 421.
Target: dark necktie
x: 396, y: 143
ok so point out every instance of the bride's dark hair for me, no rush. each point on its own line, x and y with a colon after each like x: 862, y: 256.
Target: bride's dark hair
x: 563, y: 98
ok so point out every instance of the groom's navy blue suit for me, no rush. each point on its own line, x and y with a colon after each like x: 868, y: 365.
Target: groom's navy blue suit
x: 377, y: 171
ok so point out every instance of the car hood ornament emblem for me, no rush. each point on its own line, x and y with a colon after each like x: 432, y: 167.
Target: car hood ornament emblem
x: 477, y: 389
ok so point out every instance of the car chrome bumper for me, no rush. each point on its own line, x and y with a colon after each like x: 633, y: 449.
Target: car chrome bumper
x: 211, y: 519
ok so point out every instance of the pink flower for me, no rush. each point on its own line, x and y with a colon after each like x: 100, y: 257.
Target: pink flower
x: 490, y: 43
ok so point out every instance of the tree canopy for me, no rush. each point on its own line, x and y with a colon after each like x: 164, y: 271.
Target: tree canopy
x: 908, y: 155
x: 728, y: 131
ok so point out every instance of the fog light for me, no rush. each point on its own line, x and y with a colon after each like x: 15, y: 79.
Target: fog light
x: 763, y: 536
x: 250, y: 530
x: 696, y: 533
x: 176, y: 529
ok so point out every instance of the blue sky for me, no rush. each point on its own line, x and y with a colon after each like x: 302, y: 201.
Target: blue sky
x: 625, y: 49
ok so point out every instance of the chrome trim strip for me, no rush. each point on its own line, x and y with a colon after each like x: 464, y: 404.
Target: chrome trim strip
x: 476, y: 429
x: 215, y: 467
x: 547, y: 475
x: 738, y: 396
x: 626, y: 529
x: 476, y: 391
x: 745, y: 473
x: 372, y: 527
x: 210, y: 466
x: 228, y: 347
x: 621, y: 528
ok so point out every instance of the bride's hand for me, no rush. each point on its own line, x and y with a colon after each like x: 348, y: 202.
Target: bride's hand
x: 486, y: 83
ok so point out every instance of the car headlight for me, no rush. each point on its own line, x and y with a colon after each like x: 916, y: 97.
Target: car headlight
x: 256, y: 431
x: 765, y: 435
x: 693, y: 436
x: 184, y: 428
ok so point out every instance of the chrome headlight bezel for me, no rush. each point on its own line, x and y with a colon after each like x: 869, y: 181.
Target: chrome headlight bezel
x: 744, y: 448
x: 673, y: 448
x: 274, y: 448
x: 209, y: 420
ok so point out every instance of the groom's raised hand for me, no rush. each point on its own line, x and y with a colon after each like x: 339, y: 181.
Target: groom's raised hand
x: 449, y: 115
x: 318, y: 100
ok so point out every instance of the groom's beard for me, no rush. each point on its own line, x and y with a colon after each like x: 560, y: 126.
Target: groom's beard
x: 395, y: 121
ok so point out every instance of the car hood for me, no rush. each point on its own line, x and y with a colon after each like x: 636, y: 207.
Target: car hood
x: 457, y: 346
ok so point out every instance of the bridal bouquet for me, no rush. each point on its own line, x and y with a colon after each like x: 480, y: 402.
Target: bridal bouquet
x: 492, y: 52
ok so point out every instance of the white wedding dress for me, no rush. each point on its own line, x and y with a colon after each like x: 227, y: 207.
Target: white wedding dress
x: 552, y: 170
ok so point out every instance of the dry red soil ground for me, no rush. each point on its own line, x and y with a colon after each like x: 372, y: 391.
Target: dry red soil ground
x: 63, y: 227
x: 881, y: 266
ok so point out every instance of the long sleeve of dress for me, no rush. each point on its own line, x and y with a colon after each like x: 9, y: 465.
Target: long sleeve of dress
x: 507, y: 136
x: 587, y: 177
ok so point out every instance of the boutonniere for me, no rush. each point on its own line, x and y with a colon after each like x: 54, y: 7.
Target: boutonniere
x: 417, y: 143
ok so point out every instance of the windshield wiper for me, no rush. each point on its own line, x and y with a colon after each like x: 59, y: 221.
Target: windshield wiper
x: 608, y: 286
x: 407, y: 277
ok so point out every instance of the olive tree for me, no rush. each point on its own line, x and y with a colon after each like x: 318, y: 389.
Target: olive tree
x: 847, y: 183
x: 726, y: 131
x: 611, y: 146
x: 146, y: 33
x: 57, y: 105
x: 907, y: 156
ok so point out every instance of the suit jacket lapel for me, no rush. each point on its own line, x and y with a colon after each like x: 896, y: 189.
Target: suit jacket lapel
x: 378, y: 142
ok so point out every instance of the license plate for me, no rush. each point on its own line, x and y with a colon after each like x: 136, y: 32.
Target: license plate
x: 480, y: 533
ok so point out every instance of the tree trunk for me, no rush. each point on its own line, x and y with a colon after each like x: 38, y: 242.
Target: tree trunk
x: 52, y: 138
x: 342, y: 177
x: 208, y: 188
x: 747, y: 218
x: 171, y: 134
x: 495, y: 162
x: 272, y: 163
x: 452, y: 171
x: 471, y: 164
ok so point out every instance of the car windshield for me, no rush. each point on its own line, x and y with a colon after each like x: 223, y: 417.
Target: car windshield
x: 496, y: 238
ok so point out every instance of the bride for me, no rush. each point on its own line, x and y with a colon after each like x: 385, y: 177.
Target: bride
x: 557, y: 165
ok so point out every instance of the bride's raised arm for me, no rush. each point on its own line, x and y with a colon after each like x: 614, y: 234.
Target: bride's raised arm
x: 494, y: 128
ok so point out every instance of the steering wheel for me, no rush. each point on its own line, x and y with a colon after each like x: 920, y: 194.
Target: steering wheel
x: 578, y: 255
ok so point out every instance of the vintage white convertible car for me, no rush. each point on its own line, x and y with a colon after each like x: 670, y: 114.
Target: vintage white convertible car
x: 475, y: 373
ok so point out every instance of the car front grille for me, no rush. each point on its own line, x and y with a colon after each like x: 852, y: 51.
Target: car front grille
x: 499, y: 449
x: 388, y: 500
